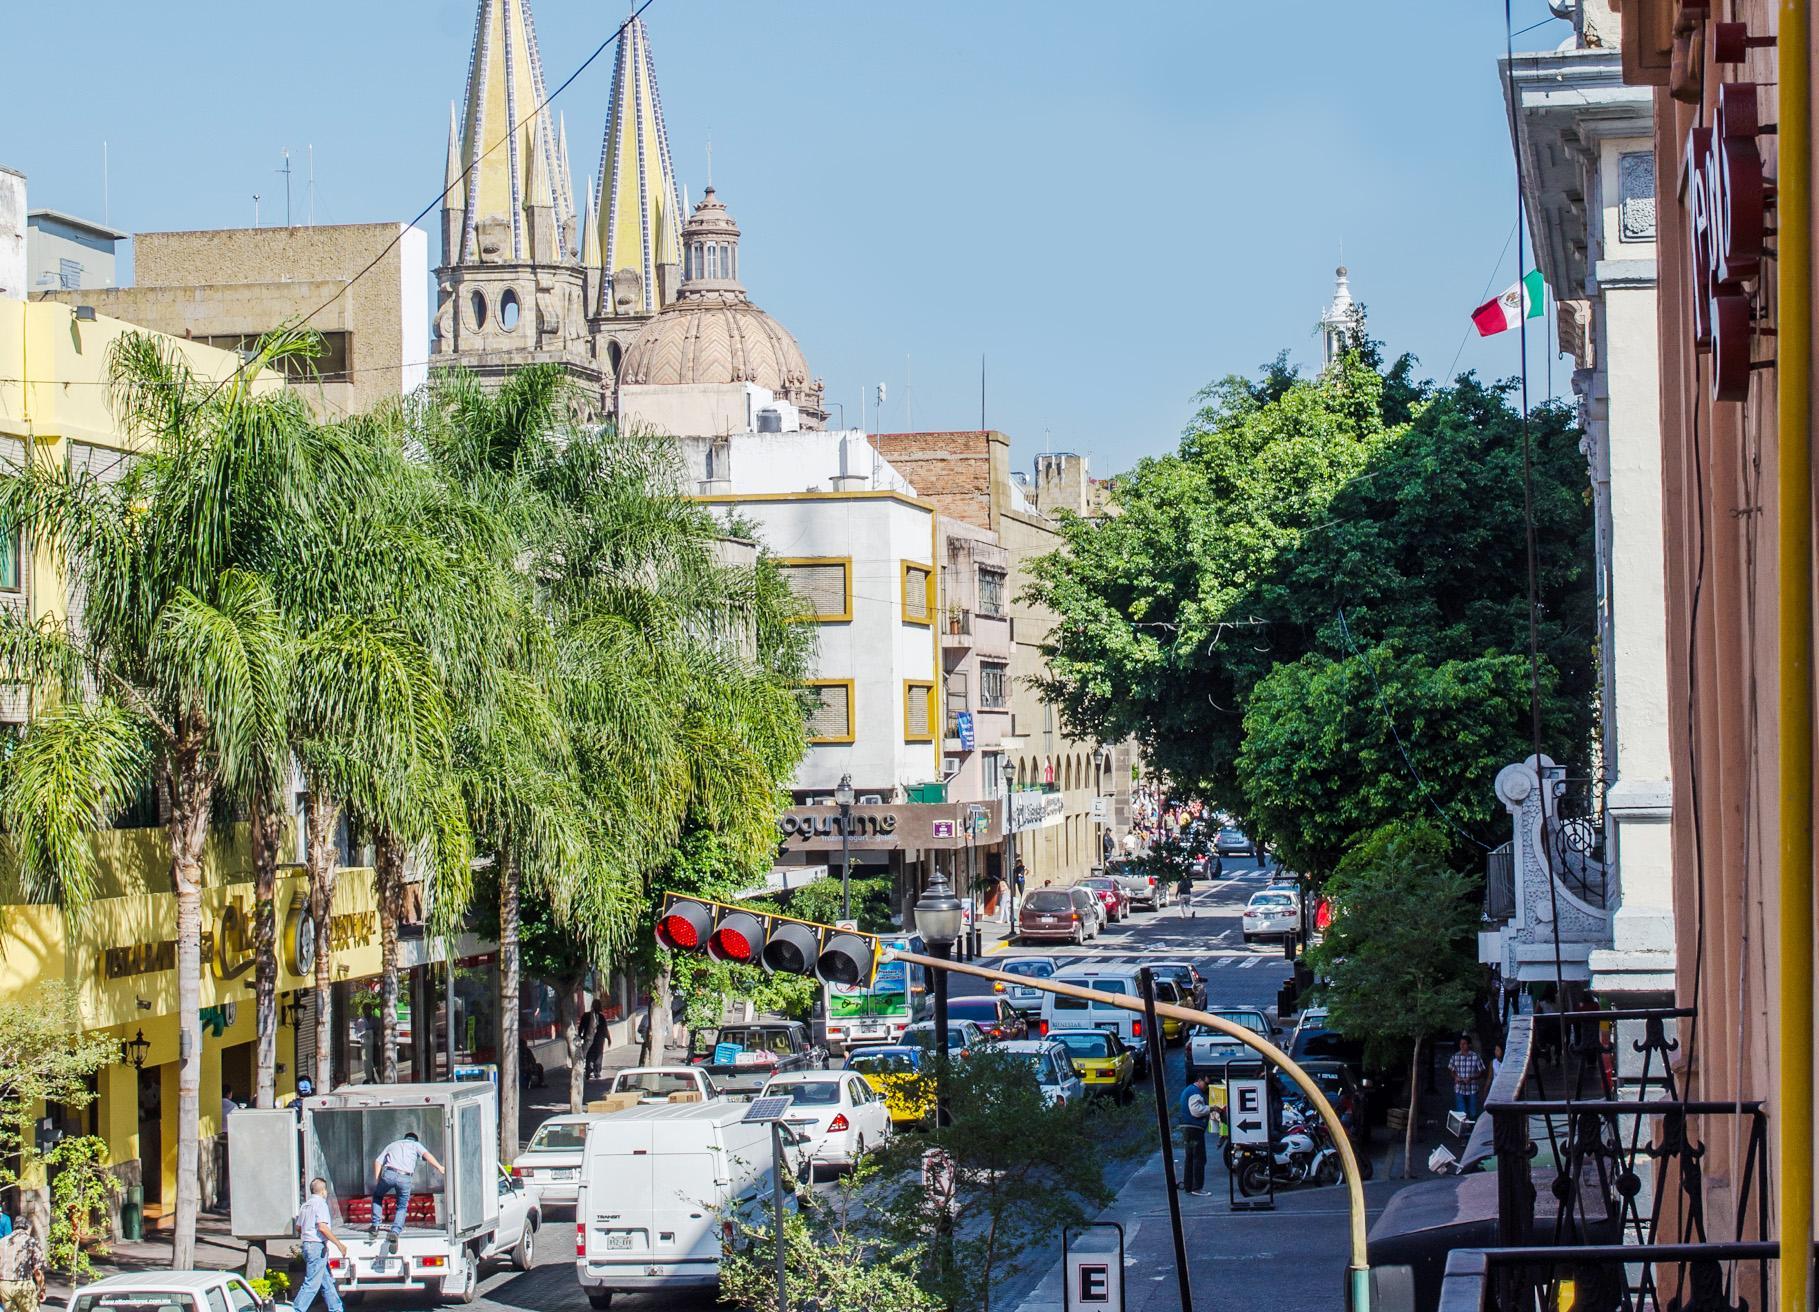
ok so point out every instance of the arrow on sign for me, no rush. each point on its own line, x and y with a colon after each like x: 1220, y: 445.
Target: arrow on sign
x: 1250, y: 1125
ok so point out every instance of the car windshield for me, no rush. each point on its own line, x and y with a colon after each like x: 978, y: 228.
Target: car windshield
x: 133, y: 1300
x: 1048, y: 900
x: 656, y: 1084
x: 1249, y: 1019
x: 1085, y: 1045
x: 1229, y: 832
x: 974, y: 1008
x: 558, y: 1136
x: 807, y: 1093
x: 1039, y: 1063
x: 1269, y: 901
x: 956, y: 1037
x: 882, y: 1063
x: 1105, y: 885
x: 1063, y: 1003
x: 1033, y: 969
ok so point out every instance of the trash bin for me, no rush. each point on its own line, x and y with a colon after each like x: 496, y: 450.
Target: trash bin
x: 132, y: 1214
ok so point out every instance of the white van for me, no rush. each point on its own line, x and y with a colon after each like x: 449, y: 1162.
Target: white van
x: 1064, y: 1013
x: 658, y: 1186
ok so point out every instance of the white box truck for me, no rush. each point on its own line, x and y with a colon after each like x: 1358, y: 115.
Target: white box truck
x: 660, y: 1187
x: 273, y: 1154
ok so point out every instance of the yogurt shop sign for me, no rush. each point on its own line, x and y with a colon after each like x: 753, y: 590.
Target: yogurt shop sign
x: 1035, y: 810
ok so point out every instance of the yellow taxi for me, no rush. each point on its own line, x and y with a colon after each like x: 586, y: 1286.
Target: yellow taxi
x: 1105, y: 1064
x: 894, y: 1072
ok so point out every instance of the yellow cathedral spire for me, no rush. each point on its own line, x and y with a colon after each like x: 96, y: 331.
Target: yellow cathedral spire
x: 503, y: 127
x: 636, y: 237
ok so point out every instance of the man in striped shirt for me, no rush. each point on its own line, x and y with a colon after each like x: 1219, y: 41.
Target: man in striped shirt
x: 1468, y: 1077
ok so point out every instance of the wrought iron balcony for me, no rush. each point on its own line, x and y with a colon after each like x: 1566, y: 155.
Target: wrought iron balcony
x: 1600, y: 1178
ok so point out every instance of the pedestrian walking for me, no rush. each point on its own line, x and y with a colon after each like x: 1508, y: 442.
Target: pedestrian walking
x: 1021, y: 873
x: 21, y: 1269
x: 596, y: 1041
x: 1196, y: 1111
x: 316, y: 1231
x: 393, y: 1170
x: 1468, y: 1074
x: 1184, y: 889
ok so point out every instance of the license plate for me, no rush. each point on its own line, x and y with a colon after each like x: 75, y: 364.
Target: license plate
x: 1111, y: 1028
x: 618, y: 1239
x: 570, y: 1174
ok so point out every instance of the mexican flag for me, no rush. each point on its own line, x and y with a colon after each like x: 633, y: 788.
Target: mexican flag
x: 1519, y: 301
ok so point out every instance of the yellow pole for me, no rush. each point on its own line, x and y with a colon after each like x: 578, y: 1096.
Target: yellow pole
x: 1354, y: 1181
x: 1794, y: 879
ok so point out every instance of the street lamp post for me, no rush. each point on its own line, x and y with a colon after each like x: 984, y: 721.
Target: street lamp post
x: 1010, y: 834
x: 843, y: 794
x: 938, y: 920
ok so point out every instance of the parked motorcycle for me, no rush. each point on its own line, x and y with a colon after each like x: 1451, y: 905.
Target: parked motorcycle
x: 1303, y: 1154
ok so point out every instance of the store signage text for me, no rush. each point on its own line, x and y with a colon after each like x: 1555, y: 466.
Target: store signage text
x: 795, y: 824
x: 1725, y: 197
x: 229, y: 948
x: 1036, y: 810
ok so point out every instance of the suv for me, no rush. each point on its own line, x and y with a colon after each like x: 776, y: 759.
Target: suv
x: 1064, y: 1013
x: 1049, y: 915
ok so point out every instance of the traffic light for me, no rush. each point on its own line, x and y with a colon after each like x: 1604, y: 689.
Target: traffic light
x: 779, y: 944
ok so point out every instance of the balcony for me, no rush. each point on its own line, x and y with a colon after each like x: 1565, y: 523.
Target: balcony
x: 1548, y: 890
x: 957, y: 629
x: 1598, y: 1187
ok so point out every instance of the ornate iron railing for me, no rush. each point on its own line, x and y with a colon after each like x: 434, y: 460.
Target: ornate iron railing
x: 1615, y: 1148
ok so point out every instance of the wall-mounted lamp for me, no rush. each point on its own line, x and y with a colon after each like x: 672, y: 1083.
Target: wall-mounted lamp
x: 132, y: 1052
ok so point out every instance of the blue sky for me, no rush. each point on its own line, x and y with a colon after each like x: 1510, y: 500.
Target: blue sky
x: 1113, y: 204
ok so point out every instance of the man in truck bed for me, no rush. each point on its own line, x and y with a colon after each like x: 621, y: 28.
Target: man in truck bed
x: 392, y: 1172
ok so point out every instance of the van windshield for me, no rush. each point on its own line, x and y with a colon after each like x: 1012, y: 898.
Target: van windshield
x: 1063, y: 1003
x: 558, y: 1136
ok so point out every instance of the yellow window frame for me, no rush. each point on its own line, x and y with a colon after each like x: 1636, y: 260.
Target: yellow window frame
x: 929, y: 685
x: 905, y: 569
x: 851, y: 698
x: 845, y: 614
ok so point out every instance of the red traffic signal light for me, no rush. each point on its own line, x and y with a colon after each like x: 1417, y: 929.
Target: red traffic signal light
x: 685, y: 925
x: 738, y: 937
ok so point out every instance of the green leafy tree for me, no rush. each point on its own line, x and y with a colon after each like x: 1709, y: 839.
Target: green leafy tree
x: 1015, y: 1170
x: 83, y: 1194
x: 832, y: 1263
x: 1399, y: 956
x: 1324, y: 518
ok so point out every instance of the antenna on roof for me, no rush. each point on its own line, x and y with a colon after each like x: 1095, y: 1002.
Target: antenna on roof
x: 310, y: 191
x: 286, y: 171
x: 104, y: 216
x: 255, y: 209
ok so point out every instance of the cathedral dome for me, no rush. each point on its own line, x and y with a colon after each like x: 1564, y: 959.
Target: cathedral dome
x: 711, y: 332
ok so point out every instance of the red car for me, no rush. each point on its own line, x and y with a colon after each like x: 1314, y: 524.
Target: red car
x: 1111, y: 895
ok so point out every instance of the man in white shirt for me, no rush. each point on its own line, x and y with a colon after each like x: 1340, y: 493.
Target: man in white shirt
x: 316, y: 1230
x: 393, y: 1170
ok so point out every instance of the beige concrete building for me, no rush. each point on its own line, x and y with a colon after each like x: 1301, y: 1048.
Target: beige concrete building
x: 227, y: 287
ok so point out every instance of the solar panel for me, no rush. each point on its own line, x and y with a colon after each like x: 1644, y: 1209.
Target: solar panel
x: 769, y: 1108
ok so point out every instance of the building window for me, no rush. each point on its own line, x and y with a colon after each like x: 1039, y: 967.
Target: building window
x: 69, y: 273
x: 991, y: 592
x: 994, y: 686
x: 918, y: 711
x: 508, y: 310
x: 478, y: 301
x: 830, y: 714
x: 956, y: 704
x: 918, y: 594
x: 824, y: 586
x: 334, y: 365
x: 11, y: 576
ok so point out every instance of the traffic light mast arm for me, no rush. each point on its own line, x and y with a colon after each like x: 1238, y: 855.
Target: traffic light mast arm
x: 1354, y: 1182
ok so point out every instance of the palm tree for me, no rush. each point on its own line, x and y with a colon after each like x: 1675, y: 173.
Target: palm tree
x: 178, y: 660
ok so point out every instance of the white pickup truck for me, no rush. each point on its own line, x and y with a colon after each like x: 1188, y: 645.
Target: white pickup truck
x: 654, y: 1084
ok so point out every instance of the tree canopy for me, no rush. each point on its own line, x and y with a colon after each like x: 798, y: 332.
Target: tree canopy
x: 1315, y: 612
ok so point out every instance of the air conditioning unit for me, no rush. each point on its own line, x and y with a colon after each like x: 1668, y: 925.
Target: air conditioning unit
x: 950, y: 766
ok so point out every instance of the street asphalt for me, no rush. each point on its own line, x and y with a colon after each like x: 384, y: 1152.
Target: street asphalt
x: 1294, y: 1256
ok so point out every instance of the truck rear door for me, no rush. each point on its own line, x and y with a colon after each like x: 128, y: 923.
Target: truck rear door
x: 617, y: 1179
x: 692, y: 1179
x: 264, y: 1172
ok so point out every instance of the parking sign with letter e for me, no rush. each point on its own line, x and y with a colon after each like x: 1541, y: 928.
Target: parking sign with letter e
x: 1095, y: 1283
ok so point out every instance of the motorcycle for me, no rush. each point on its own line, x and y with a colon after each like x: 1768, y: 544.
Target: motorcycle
x: 1303, y: 1154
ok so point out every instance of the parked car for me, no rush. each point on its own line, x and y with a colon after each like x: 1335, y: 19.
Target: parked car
x: 760, y: 1049
x: 1055, y: 1073
x: 962, y: 1036
x: 1271, y: 913
x: 1311, y: 1018
x: 1021, y: 996
x: 1209, y: 1050
x: 1327, y: 1045
x: 550, y: 1165
x: 1231, y: 841
x: 836, y: 1114
x: 1189, y: 980
x: 993, y: 1014
x: 657, y: 1083
x: 1049, y: 915
x: 1060, y: 1012
x: 1091, y: 909
x: 1106, y: 1066
x: 1174, y: 1030
x: 519, y: 1219
x: 169, y: 1291
x: 894, y: 1072
x: 1116, y: 901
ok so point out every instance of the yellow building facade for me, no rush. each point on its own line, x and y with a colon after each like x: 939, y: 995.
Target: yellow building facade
x: 118, y: 952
